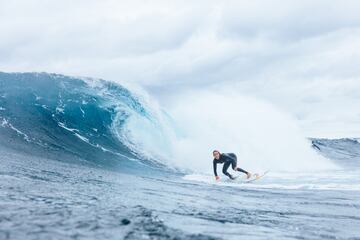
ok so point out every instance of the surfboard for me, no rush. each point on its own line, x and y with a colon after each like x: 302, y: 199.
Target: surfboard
x: 256, y: 176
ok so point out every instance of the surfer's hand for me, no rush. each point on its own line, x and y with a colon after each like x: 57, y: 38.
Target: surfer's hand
x: 217, y: 178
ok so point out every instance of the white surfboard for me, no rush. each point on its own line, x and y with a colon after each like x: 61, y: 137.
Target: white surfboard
x: 255, y: 177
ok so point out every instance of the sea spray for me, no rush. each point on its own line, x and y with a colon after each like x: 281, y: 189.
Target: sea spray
x: 262, y: 136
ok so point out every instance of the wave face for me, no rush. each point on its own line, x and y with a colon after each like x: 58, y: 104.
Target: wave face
x: 71, y: 118
x: 345, y: 151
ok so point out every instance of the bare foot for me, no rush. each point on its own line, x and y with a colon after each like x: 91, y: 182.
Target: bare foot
x: 248, y: 175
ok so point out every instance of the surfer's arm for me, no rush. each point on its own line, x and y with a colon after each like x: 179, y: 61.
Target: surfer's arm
x: 214, y: 167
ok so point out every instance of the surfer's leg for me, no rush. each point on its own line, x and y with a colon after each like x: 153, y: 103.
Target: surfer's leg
x: 225, y: 168
x: 234, y: 163
x: 241, y: 170
x: 234, y: 166
x: 248, y: 175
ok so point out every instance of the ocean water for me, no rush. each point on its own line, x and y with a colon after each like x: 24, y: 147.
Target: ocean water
x: 71, y: 168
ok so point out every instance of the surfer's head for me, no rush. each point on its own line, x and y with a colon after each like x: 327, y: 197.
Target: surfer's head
x: 216, y: 154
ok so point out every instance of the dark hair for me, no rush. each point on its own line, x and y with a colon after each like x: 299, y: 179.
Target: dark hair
x: 216, y: 151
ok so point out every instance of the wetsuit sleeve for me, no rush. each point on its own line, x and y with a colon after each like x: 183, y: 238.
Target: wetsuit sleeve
x: 214, y: 166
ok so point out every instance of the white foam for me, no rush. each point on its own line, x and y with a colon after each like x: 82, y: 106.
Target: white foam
x: 60, y: 109
x: 273, y: 183
x: 262, y: 136
x: 62, y: 125
x: 6, y: 123
x: 83, y: 112
x: 82, y: 138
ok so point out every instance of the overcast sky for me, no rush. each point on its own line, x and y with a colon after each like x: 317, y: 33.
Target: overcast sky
x: 301, y: 56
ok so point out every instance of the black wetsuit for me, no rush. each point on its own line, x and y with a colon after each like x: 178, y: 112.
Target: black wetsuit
x: 228, y: 159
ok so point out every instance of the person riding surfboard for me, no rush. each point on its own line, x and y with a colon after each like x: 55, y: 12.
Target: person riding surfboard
x: 227, y: 159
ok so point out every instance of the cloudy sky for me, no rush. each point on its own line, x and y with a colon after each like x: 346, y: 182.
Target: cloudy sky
x: 301, y: 56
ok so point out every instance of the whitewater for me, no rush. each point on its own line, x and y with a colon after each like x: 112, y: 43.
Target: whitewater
x: 85, y: 158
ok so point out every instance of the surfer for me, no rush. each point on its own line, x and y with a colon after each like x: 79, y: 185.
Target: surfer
x: 227, y: 159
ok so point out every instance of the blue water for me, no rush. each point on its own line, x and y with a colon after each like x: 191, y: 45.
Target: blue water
x: 69, y: 170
